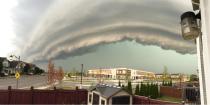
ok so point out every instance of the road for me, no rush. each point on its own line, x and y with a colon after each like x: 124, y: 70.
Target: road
x: 87, y: 82
x: 25, y: 81
x: 40, y: 82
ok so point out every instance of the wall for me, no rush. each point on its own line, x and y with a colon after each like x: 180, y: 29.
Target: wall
x: 171, y: 91
x: 43, y: 96
x: 137, y: 100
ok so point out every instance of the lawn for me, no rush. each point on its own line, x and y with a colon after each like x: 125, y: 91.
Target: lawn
x: 171, y: 99
x: 68, y: 88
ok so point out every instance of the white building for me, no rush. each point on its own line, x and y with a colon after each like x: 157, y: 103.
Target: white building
x: 141, y: 74
x: 5, y: 64
x: 120, y: 73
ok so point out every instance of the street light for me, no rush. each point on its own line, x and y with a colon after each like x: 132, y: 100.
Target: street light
x: 13, y: 56
x: 19, y: 66
x: 190, y: 28
x: 81, y: 74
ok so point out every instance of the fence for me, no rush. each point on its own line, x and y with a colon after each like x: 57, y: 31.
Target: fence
x: 145, y: 100
x: 56, y: 96
x: 171, y: 91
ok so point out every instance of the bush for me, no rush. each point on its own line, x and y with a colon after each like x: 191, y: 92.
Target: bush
x: 38, y: 70
x: 137, y: 92
x: 128, y: 88
x: 149, y: 89
x: 119, y: 83
x: 142, y: 89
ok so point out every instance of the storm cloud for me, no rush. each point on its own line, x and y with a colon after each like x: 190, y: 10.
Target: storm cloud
x: 56, y: 29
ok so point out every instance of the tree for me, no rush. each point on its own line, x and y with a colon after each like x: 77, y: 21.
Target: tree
x: 69, y: 74
x: 137, y: 90
x: 129, y: 87
x: 170, y: 83
x: 152, y: 91
x: 156, y: 92
x: 51, y: 72
x: 193, y: 77
x: 119, y: 83
x: 165, y: 73
x: 37, y: 70
x: 163, y: 83
x: 1, y: 67
x: 147, y: 89
x: 142, y: 89
x: 60, y: 74
x: 26, y: 68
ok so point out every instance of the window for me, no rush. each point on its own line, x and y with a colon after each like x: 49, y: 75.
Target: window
x: 90, y: 98
x: 102, y: 102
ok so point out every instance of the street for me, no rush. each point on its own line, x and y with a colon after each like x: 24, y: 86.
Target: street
x: 25, y: 81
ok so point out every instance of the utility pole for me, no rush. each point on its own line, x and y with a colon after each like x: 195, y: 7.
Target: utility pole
x: 100, y: 76
x: 180, y: 81
x: 19, y: 66
x: 81, y: 74
x: 17, y: 75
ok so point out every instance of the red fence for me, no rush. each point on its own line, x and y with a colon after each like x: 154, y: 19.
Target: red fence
x: 32, y: 96
x: 171, y: 91
x: 138, y: 100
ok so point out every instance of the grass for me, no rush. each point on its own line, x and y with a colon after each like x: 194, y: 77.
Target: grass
x: 68, y: 88
x: 171, y: 99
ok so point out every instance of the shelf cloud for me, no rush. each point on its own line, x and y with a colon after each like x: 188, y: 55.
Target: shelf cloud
x: 67, y: 28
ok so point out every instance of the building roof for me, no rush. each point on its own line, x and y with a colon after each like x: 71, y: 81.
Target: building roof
x: 159, y: 74
x: 176, y: 74
x: 106, y: 91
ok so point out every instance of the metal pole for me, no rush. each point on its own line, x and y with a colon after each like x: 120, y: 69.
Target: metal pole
x: 17, y: 84
x: 180, y: 81
x: 18, y: 69
x: 100, y: 76
x: 81, y: 74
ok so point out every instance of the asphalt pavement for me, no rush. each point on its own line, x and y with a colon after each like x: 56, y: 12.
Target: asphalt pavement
x: 25, y: 81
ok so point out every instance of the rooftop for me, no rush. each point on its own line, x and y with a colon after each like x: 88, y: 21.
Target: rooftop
x: 106, y: 90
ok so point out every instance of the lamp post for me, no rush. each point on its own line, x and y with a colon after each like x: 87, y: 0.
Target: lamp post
x: 16, y: 71
x: 81, y: 74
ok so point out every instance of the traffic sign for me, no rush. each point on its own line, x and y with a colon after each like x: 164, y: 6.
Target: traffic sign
x: 17, y: 75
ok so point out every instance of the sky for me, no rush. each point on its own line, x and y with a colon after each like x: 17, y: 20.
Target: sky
x: 98, y: 33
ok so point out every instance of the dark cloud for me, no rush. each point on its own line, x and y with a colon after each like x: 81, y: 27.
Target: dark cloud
x: 73, y: 28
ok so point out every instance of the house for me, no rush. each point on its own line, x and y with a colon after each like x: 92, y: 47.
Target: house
x: 10, y: 67
x: 5, y: 65
x: 103, y: 94
x: 16, y: 65
x: 13, y: 67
